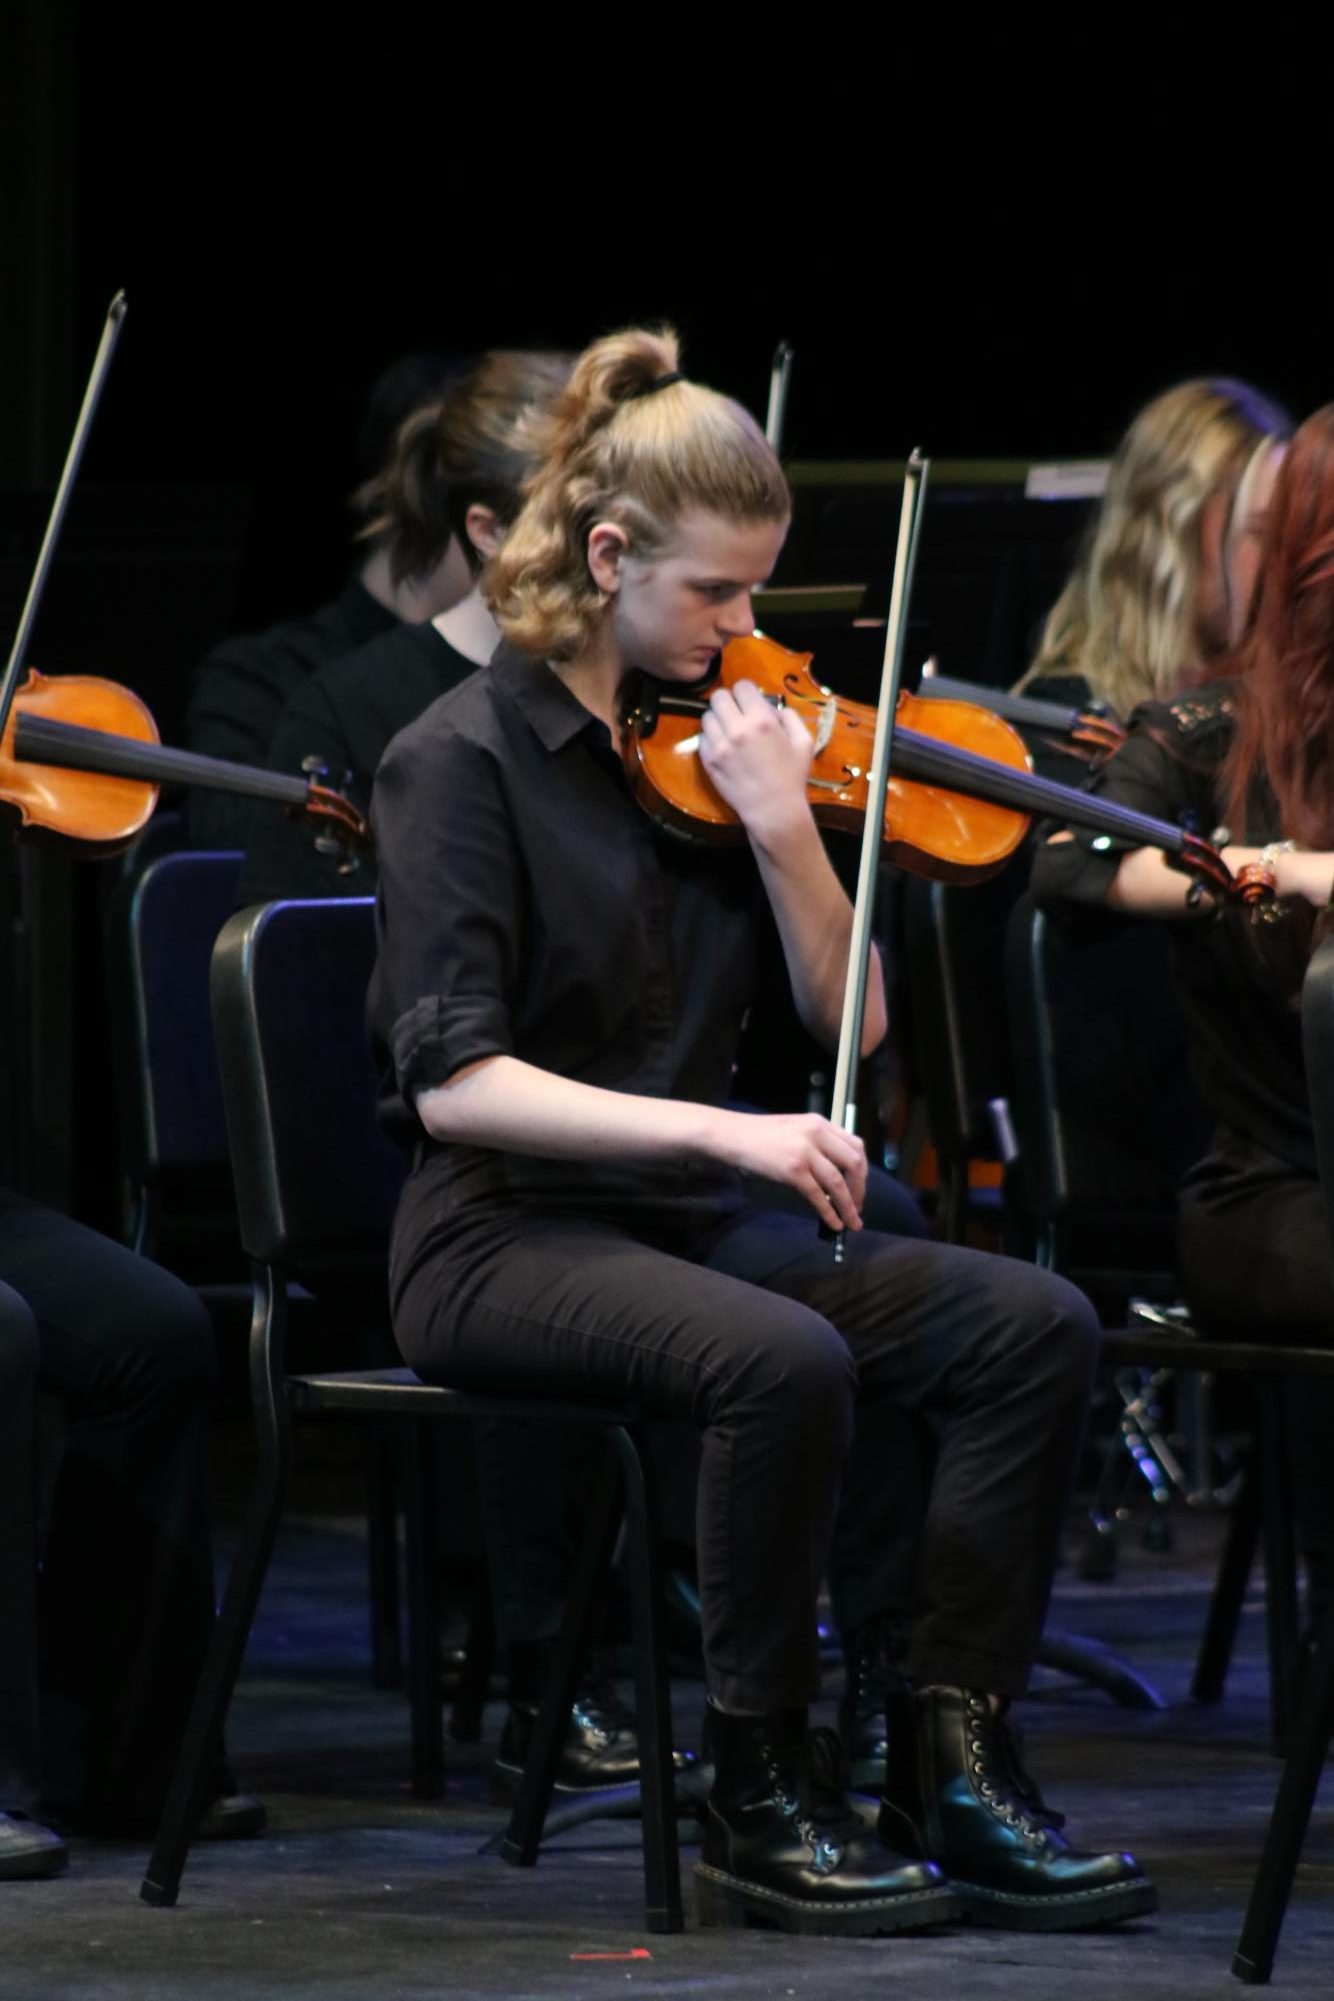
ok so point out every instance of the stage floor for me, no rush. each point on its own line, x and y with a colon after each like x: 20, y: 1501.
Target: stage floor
x: 358, y: 1890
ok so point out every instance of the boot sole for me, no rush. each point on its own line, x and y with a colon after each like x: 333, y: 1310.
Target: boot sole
x: 1077, y: 1910
x: 26, y: 1868
x: 727, y: 1901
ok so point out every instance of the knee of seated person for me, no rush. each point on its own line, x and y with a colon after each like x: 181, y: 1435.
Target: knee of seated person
x: 1062, y: 1325
x: 802, y: 1364
x: 18, y: 1346
x: 173, y: 1339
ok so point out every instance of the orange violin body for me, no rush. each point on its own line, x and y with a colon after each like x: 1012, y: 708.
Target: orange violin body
x: 89, y: 807
x: 928, y: 828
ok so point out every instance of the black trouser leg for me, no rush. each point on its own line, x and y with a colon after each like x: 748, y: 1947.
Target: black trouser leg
x: 19, y: 1775
x: 126, y: 1598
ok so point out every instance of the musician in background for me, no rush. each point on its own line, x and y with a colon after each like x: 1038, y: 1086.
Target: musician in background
x: 239, y: 690
x: 452, y: 481
x: 99, y: 1655
x: 1164, y: 581
x: 1251, y: 751
x: 557, y: 995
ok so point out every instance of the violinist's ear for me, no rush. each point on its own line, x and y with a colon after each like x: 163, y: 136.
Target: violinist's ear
x: 608, y: 547
x: 485, y: 529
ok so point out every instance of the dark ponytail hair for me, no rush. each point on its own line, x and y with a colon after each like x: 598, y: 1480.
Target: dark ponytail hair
x: 473, y: 447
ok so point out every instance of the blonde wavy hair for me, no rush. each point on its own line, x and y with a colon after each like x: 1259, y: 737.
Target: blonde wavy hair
x: 617, y: 448
x: 1128, y: 619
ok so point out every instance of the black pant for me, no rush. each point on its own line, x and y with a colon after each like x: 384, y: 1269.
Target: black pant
x: 764, y: 1343
x: 533, y: 1483
x: 1255, y: 1266
x: 125, y: 1597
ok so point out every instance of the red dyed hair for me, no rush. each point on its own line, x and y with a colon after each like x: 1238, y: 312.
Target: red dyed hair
x: 1285, y: 664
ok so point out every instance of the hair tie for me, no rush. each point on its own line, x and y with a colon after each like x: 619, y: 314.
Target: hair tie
x: 652, y: 388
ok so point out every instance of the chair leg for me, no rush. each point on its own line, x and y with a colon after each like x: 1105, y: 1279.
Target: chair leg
x: 657, y: 1778
x: 954, y: 1202
x: 222, y: 1663
x: 422, y: 1518
x: 1229, y: 1592
x: 465, y: 1718
x: 1276, y: 1528
x: 1254, y: 1958
x: 529, y: 1812
x: 382, y: 1554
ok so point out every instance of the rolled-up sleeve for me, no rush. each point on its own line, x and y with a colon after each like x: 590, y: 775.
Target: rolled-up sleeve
x: 449, y: 914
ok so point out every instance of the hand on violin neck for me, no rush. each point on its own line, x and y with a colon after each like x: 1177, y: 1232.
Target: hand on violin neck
x: 803, y: 1151
x: 757, y: 756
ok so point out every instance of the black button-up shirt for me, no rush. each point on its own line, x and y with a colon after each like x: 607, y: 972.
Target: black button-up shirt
x: 528, y: 907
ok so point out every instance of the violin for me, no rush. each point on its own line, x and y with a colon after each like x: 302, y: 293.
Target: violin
x: 961, y: 796
x: 1090, y: 735
x: 80, y: 759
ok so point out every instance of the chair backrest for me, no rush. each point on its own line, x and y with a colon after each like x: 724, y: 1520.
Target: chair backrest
x: 1107, y: 1115
x: 316, y: 1180
x: 162, y: 924
x: 954, y: 960
x: 1318, y: 1044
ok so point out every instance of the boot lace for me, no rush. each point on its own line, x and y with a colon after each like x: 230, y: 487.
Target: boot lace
x: 819, y: 1807
x: 1021, y: 1779
x: 1000, y: 1778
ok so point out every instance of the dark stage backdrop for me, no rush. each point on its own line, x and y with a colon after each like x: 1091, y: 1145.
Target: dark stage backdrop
x: 292, y: 196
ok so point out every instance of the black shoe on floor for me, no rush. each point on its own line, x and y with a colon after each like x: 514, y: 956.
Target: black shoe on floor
x: 957, y: 1792
x: 601, y: 1746
x: 783, y: 1845
x: 232, y: 1817
x: 27, y: 1849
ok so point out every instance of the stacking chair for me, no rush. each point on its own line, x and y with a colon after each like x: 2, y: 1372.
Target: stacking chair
x: 162, y: 921
x: 1309, y: 1744
x: 316, y: 1186
x: 1107, y: 1119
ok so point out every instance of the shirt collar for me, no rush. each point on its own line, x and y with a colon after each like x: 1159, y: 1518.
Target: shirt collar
x: 553, y: 712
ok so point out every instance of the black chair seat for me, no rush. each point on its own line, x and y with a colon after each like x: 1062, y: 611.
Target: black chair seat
x: 400, y: 1391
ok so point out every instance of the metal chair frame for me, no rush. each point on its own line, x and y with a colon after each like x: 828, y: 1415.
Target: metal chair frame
x: 282, y: 1228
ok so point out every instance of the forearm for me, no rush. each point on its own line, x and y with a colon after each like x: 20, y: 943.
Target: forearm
x: 516, y: 1107
x: 1146, y: 886
x: 814, y: 919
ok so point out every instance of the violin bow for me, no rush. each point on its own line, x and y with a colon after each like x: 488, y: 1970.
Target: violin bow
x: 115, y: 319
x: 780, y: 381
x: 843, y: 1110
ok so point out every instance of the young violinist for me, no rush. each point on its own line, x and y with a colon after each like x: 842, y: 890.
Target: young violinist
x: 1251, y: 751
x: 459, y: 466
x: 557, y: 996
x: 1164, y: 581
x: 239, y: 689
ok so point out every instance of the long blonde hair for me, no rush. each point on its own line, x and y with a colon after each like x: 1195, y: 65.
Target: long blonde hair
x: 619, y: 447
x: 1127, y: 620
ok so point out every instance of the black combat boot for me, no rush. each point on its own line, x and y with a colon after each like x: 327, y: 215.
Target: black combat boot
x: 957, y: 1792
x: 783, y: 1845
x: 601, y: 1747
